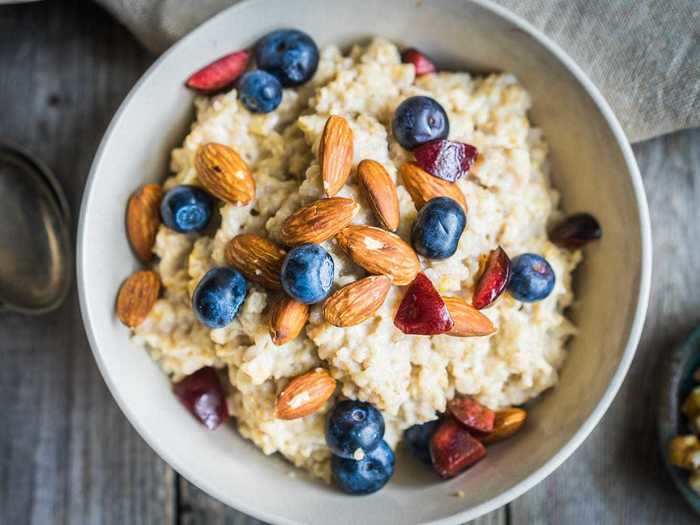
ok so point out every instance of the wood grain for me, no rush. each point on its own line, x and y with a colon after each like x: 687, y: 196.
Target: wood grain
x: 68, y: 455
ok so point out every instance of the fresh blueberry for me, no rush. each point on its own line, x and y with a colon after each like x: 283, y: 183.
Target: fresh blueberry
x: 366, y: 475
x: 438, y: 227
x: 259, y: 91
x: 418, y: 439
x: 354, y: 428
x: 219, y: 296
x: 532, y: 278
x: 186, y: 209
x: 289, y: 54
x: 307, y: 273
x: 418, y: 120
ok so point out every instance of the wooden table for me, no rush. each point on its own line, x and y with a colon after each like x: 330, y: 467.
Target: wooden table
x: 69, y: 456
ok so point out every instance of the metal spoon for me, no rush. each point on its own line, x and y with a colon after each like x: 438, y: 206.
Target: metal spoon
x: 35, y: 243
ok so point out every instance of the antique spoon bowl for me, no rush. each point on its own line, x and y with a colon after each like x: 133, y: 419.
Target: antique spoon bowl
x: 35, y: 245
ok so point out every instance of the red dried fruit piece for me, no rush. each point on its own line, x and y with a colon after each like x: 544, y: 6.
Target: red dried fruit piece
x: 445, y: 159
x: 422, y: 311
x: 493, y: 280
x: 472, y: 414
x: 421, y: 62
x: 453, y: 449
x: 203, y: 396
x: 576, y: 230
x: 219, y: 74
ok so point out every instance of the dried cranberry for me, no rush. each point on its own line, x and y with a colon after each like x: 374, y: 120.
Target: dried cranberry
x: 445, y: 159
x: 493, y: 280
x: 203, y: 396
x: 576, y: 230
x: 453, y: 449
x: 421, y: 62
x: 219, y: 74
x: 422, y: 311
x: 472, y: 414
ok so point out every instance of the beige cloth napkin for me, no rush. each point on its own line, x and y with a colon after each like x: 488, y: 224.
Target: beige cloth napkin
x: 644, y: 55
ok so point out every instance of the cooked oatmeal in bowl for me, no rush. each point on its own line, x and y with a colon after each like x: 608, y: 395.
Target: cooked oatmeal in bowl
x: 374, y: 242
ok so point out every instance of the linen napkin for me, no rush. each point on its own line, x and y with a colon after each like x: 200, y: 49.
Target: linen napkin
x: 644, y: 55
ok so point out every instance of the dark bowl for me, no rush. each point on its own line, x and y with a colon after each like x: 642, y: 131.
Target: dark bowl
x: 676, y: 382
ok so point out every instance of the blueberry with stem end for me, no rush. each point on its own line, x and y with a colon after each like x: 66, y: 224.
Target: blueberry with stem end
x: 532, y: 278
x: 218, y: 297
x: 418, y: 120
x: 367, y: 475
x: 353, y: 428
x: 260, y: 92
x: 289, y: 54
x: 307, y: 273
x: 186, y: 209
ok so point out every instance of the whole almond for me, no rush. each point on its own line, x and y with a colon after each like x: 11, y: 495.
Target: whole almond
x: 305, y: 394
x: 143, y: 219
x: 258, y: 258
x: 381, y: 193
x: 224, y: 174
x: 357, y: 301
x: 137, y: 296
x: 508, y: 421
x: 319, y: 221
x: 468, y: 321
x: 335, y: 154
x: 380, y: 252
x: 422, y: 186
x: 287, y: 319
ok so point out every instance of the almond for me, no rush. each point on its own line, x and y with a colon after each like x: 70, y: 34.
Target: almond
x: 380, y: 252
x: 468, y: 320
x: 143, y: 219
x: 357, y: 301
x: 224, y: 174
x: 319, y: 221
x: 287, y: 319
x: 335, y: 154
x: 137, y: 296
x: 422, y: 186
x: 258, y: 258
x: 305, y: 394
x: 508, y: 421
x: 381, y: 193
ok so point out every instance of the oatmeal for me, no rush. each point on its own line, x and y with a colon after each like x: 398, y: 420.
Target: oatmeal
x: 408, y: 378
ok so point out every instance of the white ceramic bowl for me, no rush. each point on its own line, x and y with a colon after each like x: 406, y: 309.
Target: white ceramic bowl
x: 592, y: 165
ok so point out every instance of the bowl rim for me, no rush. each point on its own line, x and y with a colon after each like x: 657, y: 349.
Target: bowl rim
x: 594, y: 417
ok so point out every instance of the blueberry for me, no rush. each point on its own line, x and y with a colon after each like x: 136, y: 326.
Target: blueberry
x: 418, y: 120
x: 307, y: 273
x: 289, y: 54
x: 438, y: 228
x: 186, y: 209
x: 259, y: 91
x: 366, y: 475
x: 532, y: 278
x: 219, y: 296
x: 418, y: 437
x: 353, y: 428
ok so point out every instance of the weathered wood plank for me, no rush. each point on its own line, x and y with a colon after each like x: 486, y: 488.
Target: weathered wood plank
x: 67, y: 454
x: 617, y: 475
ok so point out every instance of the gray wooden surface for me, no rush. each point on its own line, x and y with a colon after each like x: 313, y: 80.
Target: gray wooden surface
x: 68, y: 455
